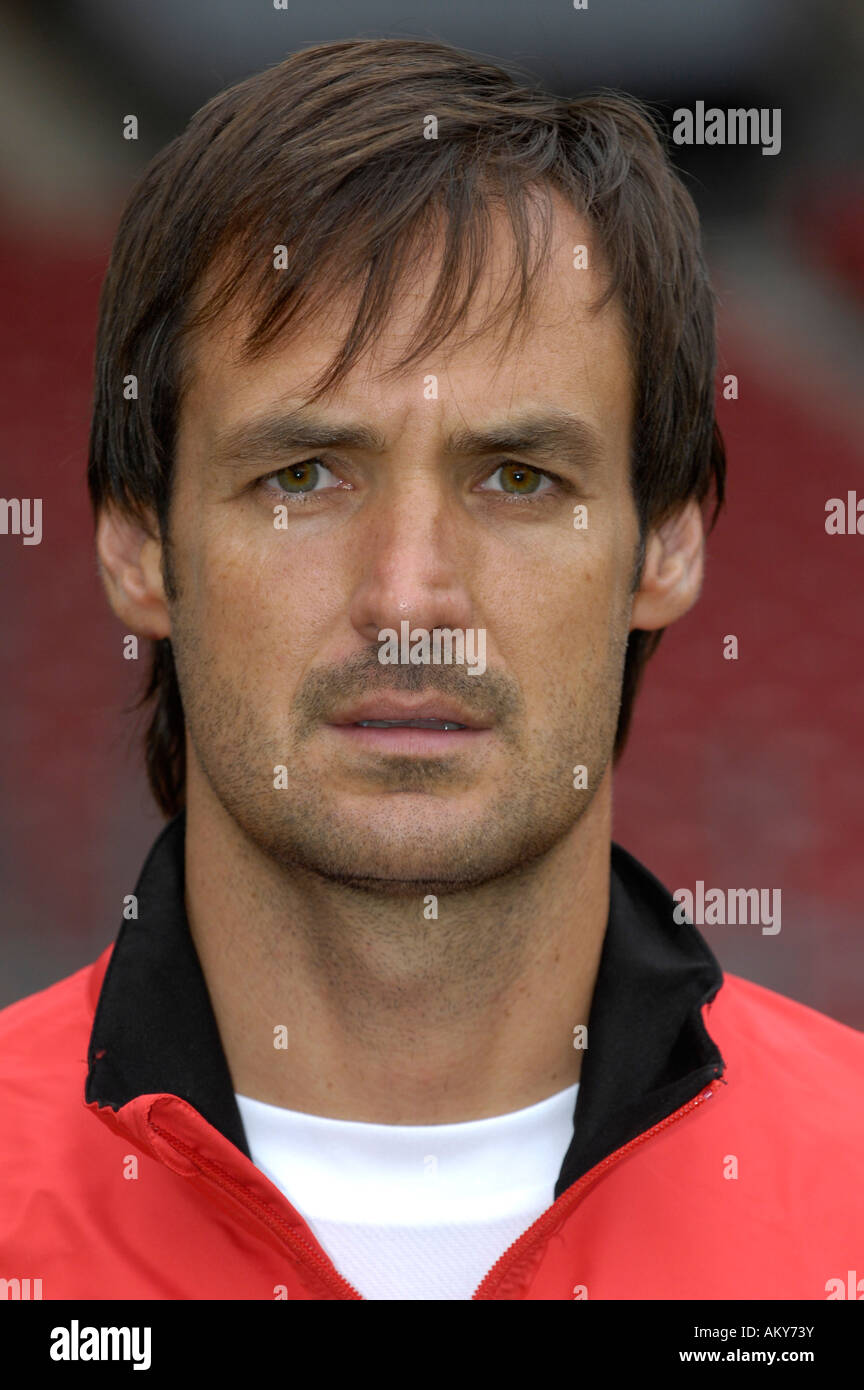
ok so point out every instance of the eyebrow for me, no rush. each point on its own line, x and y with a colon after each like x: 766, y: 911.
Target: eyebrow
x: 275, y: 435
x: 547, y: 433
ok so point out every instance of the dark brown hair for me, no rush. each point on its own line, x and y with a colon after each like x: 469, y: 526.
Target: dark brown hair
x: 325, y: 155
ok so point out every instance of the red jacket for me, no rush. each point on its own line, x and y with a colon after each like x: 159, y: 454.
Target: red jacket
x: 717, y: 1152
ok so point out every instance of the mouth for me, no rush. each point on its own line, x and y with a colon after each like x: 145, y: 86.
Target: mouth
x: 441, y: 724
x: 392, y: 711
x: 393, y: 724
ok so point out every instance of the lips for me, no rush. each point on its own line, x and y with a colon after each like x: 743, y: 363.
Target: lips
x: 390, y: 712
x: 439, y: 724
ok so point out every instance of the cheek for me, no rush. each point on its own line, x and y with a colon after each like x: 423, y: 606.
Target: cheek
x: 564, y: 632
x: 540, y: 603
x: 266, y: 597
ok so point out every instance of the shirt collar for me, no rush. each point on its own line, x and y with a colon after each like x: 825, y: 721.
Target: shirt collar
x: 648, y: 1051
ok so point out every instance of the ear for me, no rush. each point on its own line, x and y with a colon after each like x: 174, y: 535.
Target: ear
x: 130, y: 562
x: 673, y: 570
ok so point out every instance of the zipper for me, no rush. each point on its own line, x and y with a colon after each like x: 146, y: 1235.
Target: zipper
x: 573, y: 1195
x: 323, y: 1267
x: 340, y: 1286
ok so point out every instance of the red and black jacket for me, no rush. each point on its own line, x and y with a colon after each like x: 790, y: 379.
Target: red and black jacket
x: 716, y: 1152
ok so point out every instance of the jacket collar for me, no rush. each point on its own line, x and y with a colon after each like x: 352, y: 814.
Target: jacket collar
x: 648, y: 1050
x: 155, y: 1032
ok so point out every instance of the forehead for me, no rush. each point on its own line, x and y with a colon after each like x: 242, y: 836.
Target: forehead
x: 563, y: 350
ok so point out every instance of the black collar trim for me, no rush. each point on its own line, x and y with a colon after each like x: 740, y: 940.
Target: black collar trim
x: 155, y: 1031
x: 648, y: 1049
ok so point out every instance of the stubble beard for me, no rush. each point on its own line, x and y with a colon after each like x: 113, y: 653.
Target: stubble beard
x: 306, y: 826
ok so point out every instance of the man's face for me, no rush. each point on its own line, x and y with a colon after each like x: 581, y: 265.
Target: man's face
x: 419, y: 514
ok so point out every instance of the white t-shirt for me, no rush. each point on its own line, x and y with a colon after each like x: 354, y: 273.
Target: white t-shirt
x: 414, y: 1211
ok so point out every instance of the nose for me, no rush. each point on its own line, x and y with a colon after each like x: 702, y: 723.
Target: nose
x: 416, y: 561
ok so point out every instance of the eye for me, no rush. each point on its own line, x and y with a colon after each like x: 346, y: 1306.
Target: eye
x: 310, y: 475
x: 518, y: 480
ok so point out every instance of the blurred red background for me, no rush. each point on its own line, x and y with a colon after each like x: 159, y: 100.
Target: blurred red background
x: 742, y: 773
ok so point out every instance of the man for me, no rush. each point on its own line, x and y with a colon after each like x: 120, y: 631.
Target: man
x: 403, y: 427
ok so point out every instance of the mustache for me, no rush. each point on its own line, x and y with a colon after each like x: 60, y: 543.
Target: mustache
x: 492, y: 697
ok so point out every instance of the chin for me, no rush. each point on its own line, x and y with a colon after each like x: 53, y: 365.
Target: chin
x: 412, y: 888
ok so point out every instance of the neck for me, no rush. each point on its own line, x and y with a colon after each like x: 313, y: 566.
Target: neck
x: 355, y: 1006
